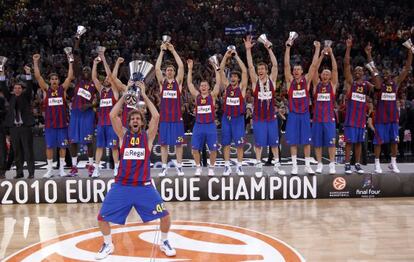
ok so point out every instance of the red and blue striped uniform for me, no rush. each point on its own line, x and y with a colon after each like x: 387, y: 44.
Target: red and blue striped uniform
x: 323, y: 110
x: 134, y: 167
x: 356, y: 105
x: 124, y: 117
x: 106, y: 103
x: 170, y: 108
x: 56, y: 109
x: 387, y: 111
x: 205, y: 111
x: 298, y: 96
x: 264, y: 103
x: 234, y: 102
x: 84, y: 94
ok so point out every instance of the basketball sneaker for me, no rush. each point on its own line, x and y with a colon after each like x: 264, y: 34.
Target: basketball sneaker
x: 167, y: 249
x: 163, y: 172
x: 90, y: 168
x: 358, y: 168
x: 294, y: 170
x: 332, y: 170
x: 227, y: 171
x: 96, y: 173
x: 198, y: 171
x: 309, y: 170
x: 211, y: 172
x: 48, y: 174
x: 378, y: 169
x: 277, y: 169
x: 105, y: 251
x: 180, y: 171
x: 259, y: 169
x: 62, y: 172
x: 348, y: 169
x: 239, y: 171
x: 319, y: 168
x: 393, y: 168
x: 73, y: 171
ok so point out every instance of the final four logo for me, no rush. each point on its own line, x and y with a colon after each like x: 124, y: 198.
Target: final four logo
x: 194, y: 241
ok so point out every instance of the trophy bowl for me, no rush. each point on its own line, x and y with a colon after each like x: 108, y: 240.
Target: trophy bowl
x: 3, y: 61
x: 292, y: 37
x: 327, y: 43
x: 166, y: 39
x: 100, y: 49
x: 231, y: 48
x: 214, y: 61
x: 69, y: 54
x: 139, y: 71
x: 409, y: 45
x: 263, y: 39
x: 80, y: 31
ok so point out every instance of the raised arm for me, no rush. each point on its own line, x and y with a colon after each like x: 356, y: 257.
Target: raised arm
x: 347, y: 64
x: 118, y: 63
x: 158, y: 72
x: 115, y: 119
x: 69, y: 78
x: 155, y: 116
x: 95, y: 79
x: 42, y: 83
x: 274, y: 71
x: 315, y: 79
x: 180, y: 70
x: 334, y: 70
x: 375, y: 75
x: 224, y: 80
x: 190, y: 84
x: 313, y: 67
x: 216, y: 89
x: 243, y: 83
x: 286, y: 67
x: 399, y: 79
x: 248, y: 45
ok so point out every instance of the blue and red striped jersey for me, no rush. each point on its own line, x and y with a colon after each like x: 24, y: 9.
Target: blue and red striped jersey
x: 56, y: 115
x: 106, y: 103
x: 324, y: 103
x: 205, y: 110
x: 234, y: 102
x: 84, y: 93
x: 170, y: 108
x: 298, y: 96
x: 356, y: 105
x: 264, y: 102
x: 387, y: 111
x: 134, y: 167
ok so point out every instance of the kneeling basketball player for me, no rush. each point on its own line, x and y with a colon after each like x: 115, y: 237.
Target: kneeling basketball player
x: 132, y: 187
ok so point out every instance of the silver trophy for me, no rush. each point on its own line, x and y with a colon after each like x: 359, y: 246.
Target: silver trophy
x: 69, y: 54
x: 166, y: 39
x: 292, y: 37
x: 139, y: 71
x: 214, y: 61
x: 3, y: 61
x: 232, y: 48
x: 80, y: 31
x: 100, y: 49
x: 327, y: 44
x: 409, y: 45
x: 263, y: 39
x: 371, y: 67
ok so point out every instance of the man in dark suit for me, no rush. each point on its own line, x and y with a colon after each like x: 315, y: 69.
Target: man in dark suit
x: 19, y: 121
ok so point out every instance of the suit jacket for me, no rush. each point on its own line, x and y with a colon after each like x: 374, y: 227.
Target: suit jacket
x: 24, y: 102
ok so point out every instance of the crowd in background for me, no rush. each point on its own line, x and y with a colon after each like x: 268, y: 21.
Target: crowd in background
x: 133, y: 30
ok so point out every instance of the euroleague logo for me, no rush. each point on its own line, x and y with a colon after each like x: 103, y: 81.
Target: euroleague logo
x: 194, y: 241
x: 339, y: 183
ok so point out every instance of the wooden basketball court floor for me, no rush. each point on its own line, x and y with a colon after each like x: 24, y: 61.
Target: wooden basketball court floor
x: 320, y: 230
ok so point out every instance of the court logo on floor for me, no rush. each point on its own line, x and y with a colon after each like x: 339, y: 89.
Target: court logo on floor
x: 194, y: 241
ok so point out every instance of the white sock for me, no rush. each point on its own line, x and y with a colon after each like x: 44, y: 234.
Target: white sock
x: 107, y: 239
x: 179, y: 165
x: 307, y: 161
x: 294, y: 160
x: 164, y: 236
x: 198, y: 166
x: 74, y: 161
x: 164, y: 165
x: 90, y: 160
x: 62, y: 163
x: 377, y: 161
x: 227, y: 163
x: 49, y: 164
x: 393, y: 160
x: 96, y: 165
x: 212, y: 166
x: 332, y: 163
x: 116, y: 165
x: 239, y: 164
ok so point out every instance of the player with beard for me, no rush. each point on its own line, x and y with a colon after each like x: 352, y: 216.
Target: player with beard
x: 204, y: 130
x: 265, y: 125
x: 386, y: 114
x: 133, y: 187
x: 232, y: 123
x: 109, y: 95
x: 82, y: 115
x: 357, y: 90
x: 56, y: 116
x: 323, y: 124
x: 298, y: 128
x: 171, y: 120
